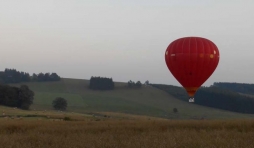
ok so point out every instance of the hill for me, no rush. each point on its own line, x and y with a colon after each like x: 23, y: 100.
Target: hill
x: 243, y: 88
x: 215, y: 97
x: 147, y: 101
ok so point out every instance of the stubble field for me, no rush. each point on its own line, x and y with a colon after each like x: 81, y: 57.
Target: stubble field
x: 126, y: 133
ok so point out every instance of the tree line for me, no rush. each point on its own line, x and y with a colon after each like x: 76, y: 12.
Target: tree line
x: 20, y: 97
x: 132, y: 84
x: 224, y: 99
x: 213, y: 96
x: 101, y: 83
x: 237, y: 87
x: 14, y: 76
x: 42, y: 77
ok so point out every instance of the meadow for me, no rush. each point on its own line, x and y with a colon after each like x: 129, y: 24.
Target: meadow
x: 126, y: 133
x: 146, y: 101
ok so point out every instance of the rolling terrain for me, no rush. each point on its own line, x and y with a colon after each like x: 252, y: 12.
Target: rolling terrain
x: 147, y: 101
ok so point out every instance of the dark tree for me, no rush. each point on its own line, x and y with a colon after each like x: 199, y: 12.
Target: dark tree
x: 138, y: 84
x: 2, y: 76
x: 132, y: 84
x: 14, y: 76
x: 40, y: 77
x: 25, y: 77
x: 16, y: 97
x: 54, y: 77
x: 35, y: 77
x: 59, y: 104
x: 146, y: 82
x: 100, y: 83
x: 47, y: 77
x: 26, y: 97
x: 175, y: 110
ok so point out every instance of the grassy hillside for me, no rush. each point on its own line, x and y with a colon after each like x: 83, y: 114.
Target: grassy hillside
x: 236, y: 87
x: 214, y: 97
x: 145, y: 101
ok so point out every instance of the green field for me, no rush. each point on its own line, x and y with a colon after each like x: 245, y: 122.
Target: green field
x: 146, y: 101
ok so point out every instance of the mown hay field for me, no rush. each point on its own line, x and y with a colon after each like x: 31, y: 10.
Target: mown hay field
x: 115, y: 133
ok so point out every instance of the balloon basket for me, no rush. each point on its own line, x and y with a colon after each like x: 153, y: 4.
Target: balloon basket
x: 191, y: 100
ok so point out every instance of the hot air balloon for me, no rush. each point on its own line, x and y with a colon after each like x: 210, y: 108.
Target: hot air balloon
x: 192, y: 60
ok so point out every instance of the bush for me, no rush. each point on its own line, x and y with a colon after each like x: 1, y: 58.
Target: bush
x: 175, y: 110
x: 67, y: 119
x: 59, y: 104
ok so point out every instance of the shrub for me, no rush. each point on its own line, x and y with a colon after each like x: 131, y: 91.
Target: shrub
x: 175, y: 110
x: 59, y: 104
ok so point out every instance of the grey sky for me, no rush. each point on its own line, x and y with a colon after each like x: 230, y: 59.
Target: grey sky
x: 125, y: 40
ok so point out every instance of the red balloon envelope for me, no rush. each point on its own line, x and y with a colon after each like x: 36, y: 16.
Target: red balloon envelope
x: 192, y: 60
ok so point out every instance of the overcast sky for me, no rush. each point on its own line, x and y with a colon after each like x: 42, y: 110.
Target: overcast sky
x: 123, y: 39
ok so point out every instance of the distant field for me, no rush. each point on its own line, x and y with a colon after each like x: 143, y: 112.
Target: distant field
x: 146, y: 101
x: 44, y: 99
